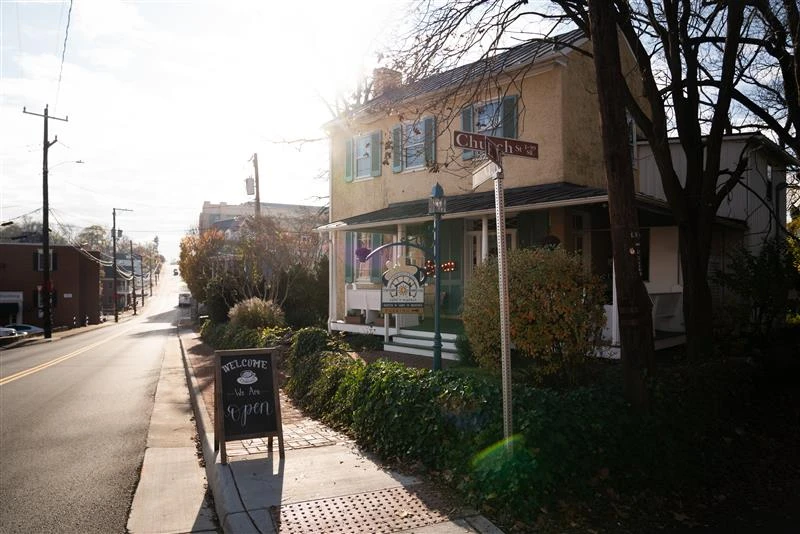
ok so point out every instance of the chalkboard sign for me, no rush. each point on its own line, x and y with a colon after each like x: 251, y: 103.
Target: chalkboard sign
x: 247, y: 400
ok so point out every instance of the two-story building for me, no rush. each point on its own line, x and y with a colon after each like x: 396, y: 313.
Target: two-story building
x: 75, y: 284
x: 387, y: 155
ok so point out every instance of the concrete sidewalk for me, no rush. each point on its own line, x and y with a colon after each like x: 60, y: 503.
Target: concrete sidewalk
x: 324, y: 484
x: 171, y: 494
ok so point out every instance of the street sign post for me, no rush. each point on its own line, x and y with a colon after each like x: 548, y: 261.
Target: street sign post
x: 495, y: 148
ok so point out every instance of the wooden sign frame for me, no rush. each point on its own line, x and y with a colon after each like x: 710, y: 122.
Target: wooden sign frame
x: 247, y: 362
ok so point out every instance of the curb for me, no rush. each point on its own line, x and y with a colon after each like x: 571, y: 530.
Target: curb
x: 228, y: 503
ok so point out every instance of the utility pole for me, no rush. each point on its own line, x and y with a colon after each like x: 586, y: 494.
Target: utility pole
x: 114, y: 259
x: 258, y: 194
x: 46, y: 285
x: 133, y: 279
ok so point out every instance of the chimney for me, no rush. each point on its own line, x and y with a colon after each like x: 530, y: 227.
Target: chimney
x: 384, y: 79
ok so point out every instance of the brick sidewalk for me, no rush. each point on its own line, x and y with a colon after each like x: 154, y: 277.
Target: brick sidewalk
x: 299, y: 432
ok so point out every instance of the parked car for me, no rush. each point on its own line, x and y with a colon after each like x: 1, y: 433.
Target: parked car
x: 7, y: 333
x: 185, y: 299
x: 26, y: 328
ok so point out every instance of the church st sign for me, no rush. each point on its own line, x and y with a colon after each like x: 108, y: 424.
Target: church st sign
x: 490, y: 144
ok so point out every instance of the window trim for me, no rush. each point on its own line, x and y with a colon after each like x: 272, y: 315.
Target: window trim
x: 508, y: 124
x: 400, y: 138
x: 366, y: 156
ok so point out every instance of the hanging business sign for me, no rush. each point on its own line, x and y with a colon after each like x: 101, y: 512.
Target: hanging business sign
x: 402, y: 290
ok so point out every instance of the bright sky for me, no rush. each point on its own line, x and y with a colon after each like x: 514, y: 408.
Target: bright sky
x: 168, y: 100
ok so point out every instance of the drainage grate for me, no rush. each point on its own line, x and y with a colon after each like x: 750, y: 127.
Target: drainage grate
x: 388, y: 510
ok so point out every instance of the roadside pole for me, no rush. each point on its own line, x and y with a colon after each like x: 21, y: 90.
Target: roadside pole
x: 495, y: 147
x: 502, y: 284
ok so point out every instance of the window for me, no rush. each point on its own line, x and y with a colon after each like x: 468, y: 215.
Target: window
x: 496, y: 118
x: 363, y: 157
x: 356, y: 271
x: 414, y: 144
x: 769, y: 182
x: 38, y: 260
x: 631, y: 138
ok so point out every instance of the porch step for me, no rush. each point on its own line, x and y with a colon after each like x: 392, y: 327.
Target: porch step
x: 424, y: 334
x: 420, y: 343
x: 410, y: 349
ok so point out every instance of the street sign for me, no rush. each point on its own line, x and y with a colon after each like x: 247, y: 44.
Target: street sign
x: 493, y: 145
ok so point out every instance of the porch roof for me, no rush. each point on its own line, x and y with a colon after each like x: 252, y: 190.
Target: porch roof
x: 517, y: 198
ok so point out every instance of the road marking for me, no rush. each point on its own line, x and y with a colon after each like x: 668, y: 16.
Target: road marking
x: 58, y: 360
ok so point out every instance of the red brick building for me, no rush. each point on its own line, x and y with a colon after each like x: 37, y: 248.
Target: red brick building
x: 75, y: 278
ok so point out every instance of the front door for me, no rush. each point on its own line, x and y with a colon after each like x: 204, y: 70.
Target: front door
x: 474, y: 248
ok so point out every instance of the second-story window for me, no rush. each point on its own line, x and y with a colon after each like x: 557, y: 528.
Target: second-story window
x: 495, y: 117
x: 38, y: 260
x: 363, y: 157
x: 414, y: 144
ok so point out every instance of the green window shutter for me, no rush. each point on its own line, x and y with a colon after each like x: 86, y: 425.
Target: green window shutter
x: 430, y: 141
x: 349, y: 256
x: 375, y: 147
x: 348, y: 160
x: 375, y: 268
x: 35, y: 261
x: 54, y: 255
x: 509, y: 106
x: 397, y: 148
x: 466, y: 126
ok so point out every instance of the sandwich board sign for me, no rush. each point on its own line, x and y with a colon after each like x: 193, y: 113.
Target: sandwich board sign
x: 247, y: 399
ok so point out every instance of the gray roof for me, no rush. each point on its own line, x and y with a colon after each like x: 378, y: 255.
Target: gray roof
x: 511, y: 59
x: 473, y: 202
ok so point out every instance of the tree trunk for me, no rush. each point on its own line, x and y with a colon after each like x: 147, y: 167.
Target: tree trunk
x: 635, y: 319
x: 694, y: 244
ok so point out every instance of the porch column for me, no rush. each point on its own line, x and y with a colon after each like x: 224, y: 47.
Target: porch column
x: 399, y: 252
x: 333, y: 288
x: 484, y: 239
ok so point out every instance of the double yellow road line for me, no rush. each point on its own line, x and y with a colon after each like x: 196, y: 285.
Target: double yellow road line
x: 65, y: 357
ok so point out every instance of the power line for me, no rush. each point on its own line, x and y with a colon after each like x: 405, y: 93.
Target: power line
x: 63, y: 53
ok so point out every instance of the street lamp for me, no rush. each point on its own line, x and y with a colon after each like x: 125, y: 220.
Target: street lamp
x: 437, y: 205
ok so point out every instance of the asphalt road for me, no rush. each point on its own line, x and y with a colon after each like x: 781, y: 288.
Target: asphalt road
x: 74, y: 415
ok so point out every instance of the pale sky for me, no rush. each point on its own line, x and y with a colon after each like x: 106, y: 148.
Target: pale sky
x: 168, y: 100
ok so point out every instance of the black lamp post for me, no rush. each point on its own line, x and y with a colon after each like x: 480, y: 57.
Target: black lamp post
x: 437, y: 205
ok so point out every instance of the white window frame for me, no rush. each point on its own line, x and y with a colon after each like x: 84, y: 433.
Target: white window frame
x: 362, y: 156
x: 362, y: 269
x: 40, y: 260
x: 494, y: 125
x: 414, y: 138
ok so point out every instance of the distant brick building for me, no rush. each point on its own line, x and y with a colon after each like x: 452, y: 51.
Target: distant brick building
x: 75, y: 278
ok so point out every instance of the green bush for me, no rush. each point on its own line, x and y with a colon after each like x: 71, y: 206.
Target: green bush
x: 304, y: 361
x: 306, y: 302
x: 763, y: 281
x: 577, y: 441
x: 256, y: 313
x: 556, y: 312
x: 225, y: 336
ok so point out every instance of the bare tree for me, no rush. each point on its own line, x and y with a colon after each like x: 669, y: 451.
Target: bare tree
x: 707, y: 69
x: 636, y: 328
